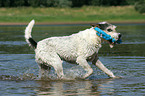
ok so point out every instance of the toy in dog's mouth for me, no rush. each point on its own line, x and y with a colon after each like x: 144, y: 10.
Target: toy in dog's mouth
x: 118, y: 41
x: 105, y: 36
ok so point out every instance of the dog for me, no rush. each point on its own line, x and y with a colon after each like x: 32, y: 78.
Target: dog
x: 78, y: 48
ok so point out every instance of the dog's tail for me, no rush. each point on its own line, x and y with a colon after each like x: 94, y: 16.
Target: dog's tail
x: 28, y: 36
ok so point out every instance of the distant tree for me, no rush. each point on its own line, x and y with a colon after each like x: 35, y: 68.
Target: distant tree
x: 95, y: 2
x: 78, y: 3
x: 16, y: 3
x: 67, y: 3
x: 1, y: 3
x: 140, y: 6
x: 6, y: 3
x: 13, y: 3
x: 50, y: 3
x: 62, y: 3
x: 131, y: 2
x: 108, y: 2
x: 34, y: 3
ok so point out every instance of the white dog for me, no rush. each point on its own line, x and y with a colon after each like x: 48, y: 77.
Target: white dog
x: 80, y: 48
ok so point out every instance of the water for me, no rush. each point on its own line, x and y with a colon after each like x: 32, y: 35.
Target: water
x: 19, y: 71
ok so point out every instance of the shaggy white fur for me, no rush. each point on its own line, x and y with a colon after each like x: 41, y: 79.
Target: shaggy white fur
x: 80, y: 48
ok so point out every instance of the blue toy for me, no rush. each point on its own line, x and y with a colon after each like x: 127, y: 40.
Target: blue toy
x: 105, y: 36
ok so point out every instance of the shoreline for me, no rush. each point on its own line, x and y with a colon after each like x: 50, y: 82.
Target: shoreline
x: 70, y: 23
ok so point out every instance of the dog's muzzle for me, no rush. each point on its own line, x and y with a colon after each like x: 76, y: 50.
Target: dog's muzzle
x: 107, y: 37
x: 113, y: 41
x: 119, y: 41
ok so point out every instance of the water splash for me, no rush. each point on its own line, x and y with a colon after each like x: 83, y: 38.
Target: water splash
x: 76, y: 72
x: 73, y: 73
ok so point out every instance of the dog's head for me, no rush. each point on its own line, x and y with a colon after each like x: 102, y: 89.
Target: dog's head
x: 110, y: 30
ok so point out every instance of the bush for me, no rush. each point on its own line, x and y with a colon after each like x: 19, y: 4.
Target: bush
x: 78, y: 3
x: 50, y: 3
x: 140, y: 6
x: 131, y: 2
x: 107, y: 2
x: 62, y: 3
x: 68, y: 3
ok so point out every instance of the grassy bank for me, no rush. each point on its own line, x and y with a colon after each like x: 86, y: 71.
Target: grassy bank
x: 85, y: 14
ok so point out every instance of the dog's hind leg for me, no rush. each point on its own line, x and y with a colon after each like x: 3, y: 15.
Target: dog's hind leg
x: 59, y: 70
x: 51, y: 59
x: 44, y: 70
x: 56, y: 62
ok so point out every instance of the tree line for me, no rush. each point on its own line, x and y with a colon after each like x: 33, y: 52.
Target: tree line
x: 63, y: 3
x: 139, y: 4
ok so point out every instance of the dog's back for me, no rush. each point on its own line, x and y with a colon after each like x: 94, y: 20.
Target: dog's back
x: 69, y: 47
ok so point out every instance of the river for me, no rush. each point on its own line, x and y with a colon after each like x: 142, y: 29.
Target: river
x: 19, y: 71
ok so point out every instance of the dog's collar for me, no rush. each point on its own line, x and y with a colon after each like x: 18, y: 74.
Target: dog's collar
x: 105, y: 36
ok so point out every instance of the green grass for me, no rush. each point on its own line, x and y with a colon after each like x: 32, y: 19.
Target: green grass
x: 71, y: 15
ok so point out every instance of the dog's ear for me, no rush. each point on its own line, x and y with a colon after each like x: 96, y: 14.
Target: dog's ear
x: 95, y: 25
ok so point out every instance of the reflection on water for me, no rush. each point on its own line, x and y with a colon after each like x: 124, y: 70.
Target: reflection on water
x: 77, y: 88
x: 19, y: 71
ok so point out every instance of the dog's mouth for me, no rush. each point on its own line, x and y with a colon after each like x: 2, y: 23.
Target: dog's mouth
x: 118, y: 41
x: 106, y: 37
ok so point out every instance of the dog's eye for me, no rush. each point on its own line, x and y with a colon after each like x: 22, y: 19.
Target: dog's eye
x: 109, y: 30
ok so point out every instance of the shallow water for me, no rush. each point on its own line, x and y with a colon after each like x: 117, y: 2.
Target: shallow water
x: 19, y: 71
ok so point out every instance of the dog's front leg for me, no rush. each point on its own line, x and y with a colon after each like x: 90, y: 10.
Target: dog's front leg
x: 82, y: 62
x: 104, y: 69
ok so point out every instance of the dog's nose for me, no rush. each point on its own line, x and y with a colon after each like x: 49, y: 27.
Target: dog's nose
x: 119, y: 35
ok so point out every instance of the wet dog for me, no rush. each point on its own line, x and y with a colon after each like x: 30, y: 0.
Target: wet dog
x: 79, y: 48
